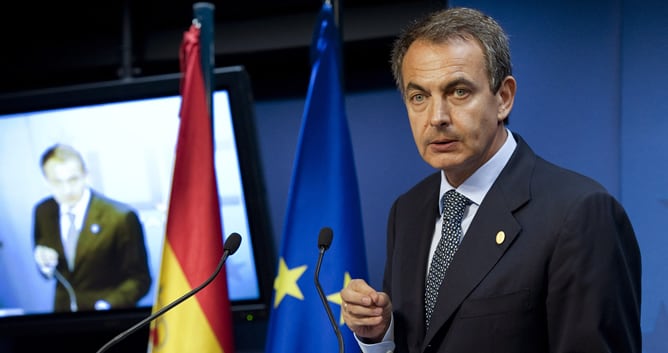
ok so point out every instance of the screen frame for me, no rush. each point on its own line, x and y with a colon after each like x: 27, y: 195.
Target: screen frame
x: 236, y: 81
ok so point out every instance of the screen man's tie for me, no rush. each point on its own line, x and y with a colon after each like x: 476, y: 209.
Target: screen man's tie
x: 71, y: 242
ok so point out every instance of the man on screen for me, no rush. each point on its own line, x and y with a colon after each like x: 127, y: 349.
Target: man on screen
x: 93, y: 245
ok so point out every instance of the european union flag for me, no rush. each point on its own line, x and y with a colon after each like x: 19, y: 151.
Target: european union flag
x: 323, y: 193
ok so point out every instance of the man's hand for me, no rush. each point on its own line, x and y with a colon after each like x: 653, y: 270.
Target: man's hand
x: 46, y: 259
x: 366, y: 312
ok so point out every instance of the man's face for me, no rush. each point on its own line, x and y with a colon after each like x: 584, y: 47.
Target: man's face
x: 66, y: 179
x: 457, y: 121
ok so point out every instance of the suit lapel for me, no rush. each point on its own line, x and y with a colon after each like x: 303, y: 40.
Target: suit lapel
x: 52, y: 223
x: 480, y: 250
x: 425, y: 218
x: 86, y: 235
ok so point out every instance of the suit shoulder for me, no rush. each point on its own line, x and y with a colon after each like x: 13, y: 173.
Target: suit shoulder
x: 563, y: 179
x: 418, y: 192
x: 46, y: 204
x: 108, y: 203
x: 548, y: 176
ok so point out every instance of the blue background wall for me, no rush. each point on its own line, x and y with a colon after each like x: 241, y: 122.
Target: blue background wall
x: 591, y: 96
x: 644, y: 153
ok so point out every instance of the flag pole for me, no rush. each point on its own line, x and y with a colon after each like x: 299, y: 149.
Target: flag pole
x: 337, y: 11
x: 336, y: 7
x: 204, y: 15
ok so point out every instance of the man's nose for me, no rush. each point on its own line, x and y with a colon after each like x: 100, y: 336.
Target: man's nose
x: 440, y: 112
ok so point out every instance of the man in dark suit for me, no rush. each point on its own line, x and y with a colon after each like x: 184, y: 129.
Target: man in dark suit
x: 92, y: 244
x: 545, y: 260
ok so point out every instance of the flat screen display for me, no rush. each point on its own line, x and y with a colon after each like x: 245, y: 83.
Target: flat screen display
x: 127, y: 134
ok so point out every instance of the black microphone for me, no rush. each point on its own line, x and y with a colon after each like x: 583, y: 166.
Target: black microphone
x: 231, y: 246
x: 324, y: 241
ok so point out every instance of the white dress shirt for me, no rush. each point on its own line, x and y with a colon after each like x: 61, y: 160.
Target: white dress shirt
x: 79, y: 211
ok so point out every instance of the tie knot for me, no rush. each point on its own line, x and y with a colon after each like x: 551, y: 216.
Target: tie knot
x: 454, y: 204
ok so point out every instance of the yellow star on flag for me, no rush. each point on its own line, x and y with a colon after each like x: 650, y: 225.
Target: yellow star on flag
x: 336, y: 297
x: 286, y: 282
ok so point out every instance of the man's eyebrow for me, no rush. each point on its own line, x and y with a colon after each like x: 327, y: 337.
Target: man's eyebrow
x: 414, y: 86
x: 458, y: 82
x: 449, y: 86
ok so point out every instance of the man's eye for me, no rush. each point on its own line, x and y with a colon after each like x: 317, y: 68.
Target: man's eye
x: 417, y: 98
x: 460, y: 92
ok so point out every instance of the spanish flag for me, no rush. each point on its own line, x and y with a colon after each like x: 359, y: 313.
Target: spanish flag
x: 193, y: 242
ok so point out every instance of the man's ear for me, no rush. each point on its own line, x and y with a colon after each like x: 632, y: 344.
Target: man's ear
x: 506, y: 95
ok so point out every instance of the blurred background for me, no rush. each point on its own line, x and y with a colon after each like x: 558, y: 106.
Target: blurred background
x: 591, y: 95
x: 60, y: 43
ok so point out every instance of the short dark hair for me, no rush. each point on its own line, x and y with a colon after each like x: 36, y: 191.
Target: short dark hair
x: 61, y: 152
x: 458, y: 22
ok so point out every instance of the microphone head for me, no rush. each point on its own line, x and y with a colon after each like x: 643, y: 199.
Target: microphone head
x: 232, y: 243
x: 325, y: 238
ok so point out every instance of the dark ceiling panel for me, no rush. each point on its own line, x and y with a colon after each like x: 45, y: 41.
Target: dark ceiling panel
x: 64, y: 43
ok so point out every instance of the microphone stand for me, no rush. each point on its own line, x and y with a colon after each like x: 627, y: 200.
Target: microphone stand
x: 230, y: 247
x: 324, y: 241
x: 68, y: 287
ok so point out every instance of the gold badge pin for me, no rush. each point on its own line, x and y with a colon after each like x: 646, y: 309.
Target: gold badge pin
x: 500, y: 237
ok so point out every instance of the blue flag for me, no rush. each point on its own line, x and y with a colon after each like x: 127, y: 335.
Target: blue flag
x: 323, y: 193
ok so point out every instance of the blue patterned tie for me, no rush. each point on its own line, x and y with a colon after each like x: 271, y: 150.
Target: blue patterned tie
x: 453, y: 204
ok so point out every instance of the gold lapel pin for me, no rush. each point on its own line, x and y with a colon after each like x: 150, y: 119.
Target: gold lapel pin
x: 500, y: 237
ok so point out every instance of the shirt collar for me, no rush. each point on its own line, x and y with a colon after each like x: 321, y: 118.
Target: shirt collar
x: 81, y: 205
x: 476, y: 186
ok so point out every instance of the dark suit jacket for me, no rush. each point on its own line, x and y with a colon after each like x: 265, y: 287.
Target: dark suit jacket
x: 111, y: 261
x: 566, y: 278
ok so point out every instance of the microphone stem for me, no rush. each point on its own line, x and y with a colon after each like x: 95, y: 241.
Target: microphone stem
x: 148, y: 319
x: 68, y: 288
x: 324, y: 300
